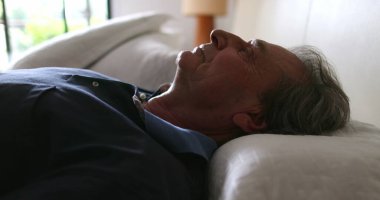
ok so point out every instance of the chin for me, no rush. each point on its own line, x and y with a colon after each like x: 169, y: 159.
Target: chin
x: 186, y: 60
x: 178, y: 59
x: 182, y: 57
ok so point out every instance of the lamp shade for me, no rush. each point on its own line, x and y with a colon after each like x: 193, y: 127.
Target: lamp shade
x: 204, y: 7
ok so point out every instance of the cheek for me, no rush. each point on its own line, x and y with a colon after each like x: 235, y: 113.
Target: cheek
x: 228, y: 61
x: 236, y: 72
x: 226, y: 77
x: 227, y: 89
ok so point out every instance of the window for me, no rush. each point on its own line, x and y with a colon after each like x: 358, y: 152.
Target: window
x: 3, y: 46
x: 27, y: 23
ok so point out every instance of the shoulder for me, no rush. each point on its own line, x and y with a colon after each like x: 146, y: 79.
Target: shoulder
x: 66, y: 78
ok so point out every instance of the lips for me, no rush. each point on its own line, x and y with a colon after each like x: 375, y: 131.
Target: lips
x: 203, y: 55
x: 199, y: 52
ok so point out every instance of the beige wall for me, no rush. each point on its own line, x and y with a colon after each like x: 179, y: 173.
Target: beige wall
x: 347, y: 31
x: 181, y: 24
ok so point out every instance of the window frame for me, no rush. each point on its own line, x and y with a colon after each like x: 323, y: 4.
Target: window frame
x: 6, y: 29
x: 5, y: 22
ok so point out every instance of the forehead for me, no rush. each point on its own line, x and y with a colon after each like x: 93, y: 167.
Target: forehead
x: 280, y: 58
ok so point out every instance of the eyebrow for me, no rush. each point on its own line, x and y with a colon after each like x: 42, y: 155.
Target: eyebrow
x: 260, y: 44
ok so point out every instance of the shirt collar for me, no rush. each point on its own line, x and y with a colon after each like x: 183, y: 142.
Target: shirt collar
x: 173, y: 138
x: 177, y: 139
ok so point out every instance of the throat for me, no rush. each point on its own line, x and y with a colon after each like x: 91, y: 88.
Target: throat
x: 163, y: 110
x: 217, y: 126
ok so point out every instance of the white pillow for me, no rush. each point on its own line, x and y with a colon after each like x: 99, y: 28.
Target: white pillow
x: 146, y: 61
x: 266, y: 166
x: 80, y: 49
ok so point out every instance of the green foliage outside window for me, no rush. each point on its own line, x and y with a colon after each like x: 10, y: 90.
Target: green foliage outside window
x: 39, y: 32
x: 33, y: 22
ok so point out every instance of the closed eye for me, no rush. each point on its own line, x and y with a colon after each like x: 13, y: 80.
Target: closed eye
x: 247, y: 54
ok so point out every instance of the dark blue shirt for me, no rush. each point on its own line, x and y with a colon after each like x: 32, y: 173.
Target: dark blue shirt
x: 177, y: 139
x: 77, y: 134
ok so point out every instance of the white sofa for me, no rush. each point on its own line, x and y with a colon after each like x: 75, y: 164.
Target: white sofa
x: 134, y: 49
x: 344, y: 166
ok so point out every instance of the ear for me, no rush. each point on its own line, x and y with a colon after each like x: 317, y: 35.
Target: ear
x: 249, y: 122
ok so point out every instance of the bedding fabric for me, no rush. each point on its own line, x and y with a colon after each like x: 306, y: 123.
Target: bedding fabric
x: 265, y: 166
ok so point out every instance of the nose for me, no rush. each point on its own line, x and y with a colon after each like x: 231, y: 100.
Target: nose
x: 218, y: 38
x: 221, y: 39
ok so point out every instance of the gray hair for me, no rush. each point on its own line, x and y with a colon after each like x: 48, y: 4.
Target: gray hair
x: 314, y: 107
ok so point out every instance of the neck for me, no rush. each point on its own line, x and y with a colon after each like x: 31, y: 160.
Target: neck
x: 178, y: 112
x: 163, y: 109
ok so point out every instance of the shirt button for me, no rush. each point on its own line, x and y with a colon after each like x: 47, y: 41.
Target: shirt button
x: 142, y: 96
x: 95, y: 83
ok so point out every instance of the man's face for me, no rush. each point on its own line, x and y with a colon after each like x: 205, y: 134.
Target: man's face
x: 231, y: 73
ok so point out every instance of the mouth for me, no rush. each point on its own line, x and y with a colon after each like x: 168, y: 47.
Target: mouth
x: 203, y: 56
x: 200, y: 52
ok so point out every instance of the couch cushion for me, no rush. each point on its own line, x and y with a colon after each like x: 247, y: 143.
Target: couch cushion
x: 146, y: 61
x: 83, y: 48
x: 266, y: 166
